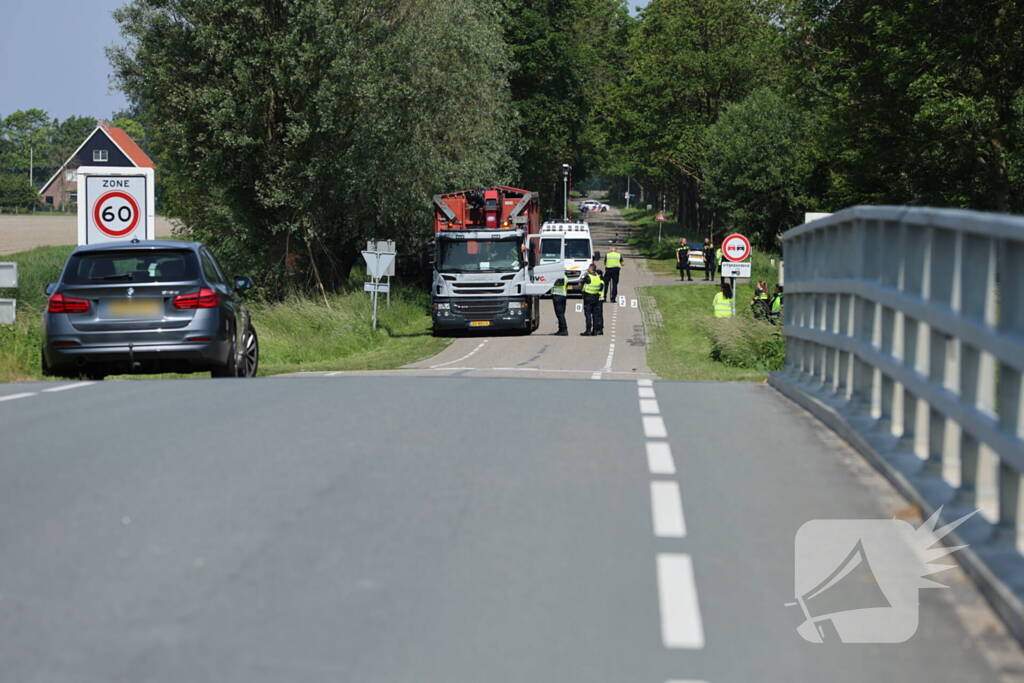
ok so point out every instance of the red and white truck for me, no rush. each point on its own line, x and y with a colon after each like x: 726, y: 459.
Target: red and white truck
x: 487, y: 268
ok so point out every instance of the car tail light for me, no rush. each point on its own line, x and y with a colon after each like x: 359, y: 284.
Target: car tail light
x: 67, y: 304
x: 204, y: 298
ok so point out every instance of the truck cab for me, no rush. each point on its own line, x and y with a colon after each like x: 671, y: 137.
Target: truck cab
x: 578, y: 249
x: 487, y: 268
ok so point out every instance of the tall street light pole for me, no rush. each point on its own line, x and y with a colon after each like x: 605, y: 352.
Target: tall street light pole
x: 565, y: 190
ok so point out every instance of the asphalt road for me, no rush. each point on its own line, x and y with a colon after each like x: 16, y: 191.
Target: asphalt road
x: 422, y: 529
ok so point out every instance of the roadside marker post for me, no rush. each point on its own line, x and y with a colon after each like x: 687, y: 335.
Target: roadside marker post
x: 579, y: 308
x: 622, y: 301
x: 116, y: 204
x: 8, y: 280
x: 379, y: 264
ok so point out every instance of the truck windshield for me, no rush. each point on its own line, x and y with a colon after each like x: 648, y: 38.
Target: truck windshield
x: 577, y: 249
x: 473, y: 256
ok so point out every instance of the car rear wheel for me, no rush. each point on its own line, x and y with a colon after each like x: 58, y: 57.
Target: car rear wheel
x: 250, y: 362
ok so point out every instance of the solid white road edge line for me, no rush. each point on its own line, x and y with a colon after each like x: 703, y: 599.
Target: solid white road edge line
x: 659, y: 458
x: 681, y: 626
x: 667, y: 510
x: 12, y: 397
x: 649, y: 406
x: 65, y: 387
x: 457, y: 360
x: 654, y: 427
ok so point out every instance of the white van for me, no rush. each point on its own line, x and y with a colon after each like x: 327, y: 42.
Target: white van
x: 579, y: 251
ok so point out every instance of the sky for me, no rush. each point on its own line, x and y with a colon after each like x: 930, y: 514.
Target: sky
x: 52, y: 57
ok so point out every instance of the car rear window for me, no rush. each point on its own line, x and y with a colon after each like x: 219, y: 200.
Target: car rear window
x: 132, y: 266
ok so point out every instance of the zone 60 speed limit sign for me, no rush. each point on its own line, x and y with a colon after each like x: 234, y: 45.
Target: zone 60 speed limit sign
x: 118, y: 205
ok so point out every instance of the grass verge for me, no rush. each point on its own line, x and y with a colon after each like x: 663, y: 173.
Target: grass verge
x: 689, y: 343
x: 297, y: 334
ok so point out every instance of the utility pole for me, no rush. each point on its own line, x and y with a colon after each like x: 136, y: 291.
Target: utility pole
x: 565, y: 191
x: 31, y: 164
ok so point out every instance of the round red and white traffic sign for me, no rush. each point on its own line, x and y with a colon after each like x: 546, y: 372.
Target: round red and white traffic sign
x: 116, y: 213
x: 736, y: 247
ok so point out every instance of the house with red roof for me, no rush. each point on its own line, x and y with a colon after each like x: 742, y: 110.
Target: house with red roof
x: 107, y: 145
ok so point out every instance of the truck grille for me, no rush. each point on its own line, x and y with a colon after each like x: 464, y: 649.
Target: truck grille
x: 478, y: 288
x: 479, y: 307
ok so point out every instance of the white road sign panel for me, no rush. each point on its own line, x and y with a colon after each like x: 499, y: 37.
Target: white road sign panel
x: 736, y: 269
x: 116, y: 204
x: 736, y: 247
x: 382, y: 287
x: 9, y: 275
x: 377, y: 264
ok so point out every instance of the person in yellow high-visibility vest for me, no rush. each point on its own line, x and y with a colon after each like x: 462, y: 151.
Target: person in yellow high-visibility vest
x: 718, y: 259
x: 723, y: 304
x: 558, y: 294
x: 612, y: 264
x: 593, y: 295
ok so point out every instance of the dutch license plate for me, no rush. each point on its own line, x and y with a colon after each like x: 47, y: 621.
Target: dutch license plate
x: 479, y: 323
x: 136, y: 308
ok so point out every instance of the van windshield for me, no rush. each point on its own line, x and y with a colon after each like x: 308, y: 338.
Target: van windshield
x: 577, y: 248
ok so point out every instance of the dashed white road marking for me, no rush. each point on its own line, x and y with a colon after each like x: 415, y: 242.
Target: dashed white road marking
x: 645, y: 392
x: 459, y: 360
x: 654, y: 427
x: 681, y: 625
x: 688, y: 680
x: 13, y: 397
x: 659, y: 458
x: 645, y: 382
x: 649, y: 406
x: 65, y: 387
x: 667, y: 510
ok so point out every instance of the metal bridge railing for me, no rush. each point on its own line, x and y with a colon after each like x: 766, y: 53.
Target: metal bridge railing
x: 908, y: 325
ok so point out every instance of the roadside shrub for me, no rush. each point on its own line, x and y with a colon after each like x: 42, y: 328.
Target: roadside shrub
x: 746, y: 343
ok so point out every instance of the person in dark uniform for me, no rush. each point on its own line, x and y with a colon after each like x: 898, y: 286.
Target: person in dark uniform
x: 558, y: 293
x: 683, y: 260
x: 593, y: 295
x: 709, y: 259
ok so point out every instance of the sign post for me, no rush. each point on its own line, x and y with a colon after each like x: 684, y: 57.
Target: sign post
x: 379, y: 264
x: 115, y: 204
x: 736, y: 249
x: 8, y: 280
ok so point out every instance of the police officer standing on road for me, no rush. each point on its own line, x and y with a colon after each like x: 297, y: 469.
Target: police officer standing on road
x: 683, y: 260
x: 558, y: 293
x: 612, y: 265
x: 593, y: 295
x: 709, y: 259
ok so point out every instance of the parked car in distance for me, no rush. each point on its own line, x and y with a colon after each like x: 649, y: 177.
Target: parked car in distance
x: 696, y: 255
x: 147, y: 307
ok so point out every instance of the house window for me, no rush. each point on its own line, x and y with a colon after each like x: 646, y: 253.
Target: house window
x: 70, y: 175
x: 100, y: 155
x: 49, y: 200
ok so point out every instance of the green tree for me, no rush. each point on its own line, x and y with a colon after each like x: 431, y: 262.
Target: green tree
x: 758, y: 163
x: 16, y: 193
x: 288, y: 132
x: 29, y: 133
x: 922, y: 99
x: 688, y: 59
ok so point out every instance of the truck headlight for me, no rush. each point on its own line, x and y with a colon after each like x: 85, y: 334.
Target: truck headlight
x: 442, y: 307
x: 515, y: 305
